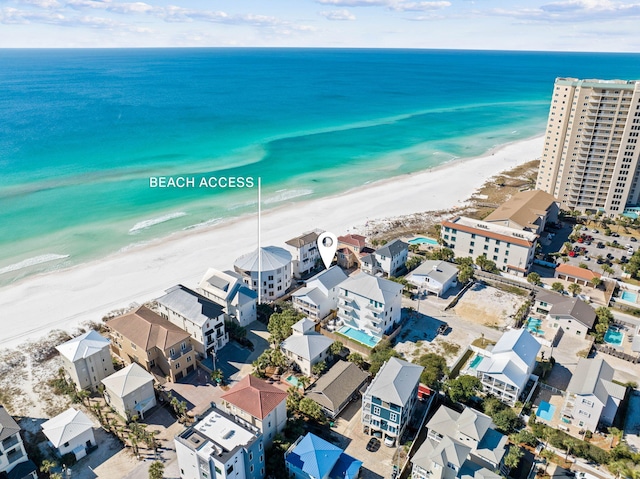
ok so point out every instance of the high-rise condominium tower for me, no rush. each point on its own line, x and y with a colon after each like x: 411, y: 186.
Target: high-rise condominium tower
x: 591, y: 150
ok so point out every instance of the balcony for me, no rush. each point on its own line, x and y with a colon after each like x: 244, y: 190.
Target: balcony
x: 180, y: 353
x: 10, y: 441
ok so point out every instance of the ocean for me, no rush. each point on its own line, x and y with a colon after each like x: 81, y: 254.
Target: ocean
x: 82, y: 132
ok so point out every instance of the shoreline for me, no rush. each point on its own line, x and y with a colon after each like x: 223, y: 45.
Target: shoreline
x: 65, y: 298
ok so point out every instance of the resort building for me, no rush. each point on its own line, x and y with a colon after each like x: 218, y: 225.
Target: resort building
x: 572, y: 315
x: 14, y: 462
x: 506, y: 369
x: 259, y: 404
x: 435, y: 277
x: 511, y: 249
x: 227, y: 289
x: 202, y: 318
x: 526, y: 211
x: 272, y: 266
x: 70, y: 432
x: 220, y: 446
x: 130, y: 391
x: 392, y: 257
x: 575, y: 274
x: 148, y: 339
x: 389, y: 400
x: 86, y: 359
x: 305, y: 348
x: 338, y: 387
x: 460, y: 446
x: 592, y: 398
x: 311, y: 457
x: 305, y: 254
x: 369, y: 304
x: 590, y: 155
x: 320, y: 294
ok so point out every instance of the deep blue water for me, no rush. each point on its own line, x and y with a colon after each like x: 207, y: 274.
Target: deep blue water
x: 81, y: 131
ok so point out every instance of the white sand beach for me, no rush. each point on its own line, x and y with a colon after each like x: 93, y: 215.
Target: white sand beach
x: 64, y: 299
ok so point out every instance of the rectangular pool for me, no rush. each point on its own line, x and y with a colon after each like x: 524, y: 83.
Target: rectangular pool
x: 475, y: 361
x: 613, y: 336
x: 629, y: 296
x: 359, y: 336
x: 293, y: 380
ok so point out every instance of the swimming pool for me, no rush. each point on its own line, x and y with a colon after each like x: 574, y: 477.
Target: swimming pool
x: 475, y: 361
x: 359, y: 336
x: 293, y: 380
x: 545, y: 411
x: 423, y: 240
x: 613, y: 336
x: 629, y: 296
x: 533, y: 325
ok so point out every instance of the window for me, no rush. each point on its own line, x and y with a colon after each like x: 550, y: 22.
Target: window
x: 393, y: 417
x: 66, y: 444
x: 588, y: 403
x: 251, y: 456
x: 261, y: 459
x: 177, y: 365
x: 133, y: 346
x: 188, y: 359
x: 376, y: 410
x: 229, y: 469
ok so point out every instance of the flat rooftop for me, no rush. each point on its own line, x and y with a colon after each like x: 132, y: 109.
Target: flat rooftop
x: 495, y: 228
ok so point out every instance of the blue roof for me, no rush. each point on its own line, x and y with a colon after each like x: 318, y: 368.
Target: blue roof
x: 319, y: 458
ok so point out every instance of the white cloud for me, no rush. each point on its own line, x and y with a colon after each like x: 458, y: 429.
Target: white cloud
x: 419, y: 6
x: 42, y: 3
x: 573, y: 11
x: 356, y: 3
x: 343, y: 14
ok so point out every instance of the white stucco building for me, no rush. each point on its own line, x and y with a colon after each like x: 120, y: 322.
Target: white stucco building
x: 227, y: 289
x: 434, y: 276
x: 86, y: 359
x: 304, y: 252
x: 320, y: 294
x: 70, y: 432
x: 271, y: 266
x: 130, y: 391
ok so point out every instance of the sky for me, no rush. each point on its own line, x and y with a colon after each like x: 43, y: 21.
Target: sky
x: 552, y: 25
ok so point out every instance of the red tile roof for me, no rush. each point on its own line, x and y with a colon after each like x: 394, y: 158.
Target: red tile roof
x: 488, y: 234
x: 353, y: 240
x: 577, y: 272
x: 255, y: 396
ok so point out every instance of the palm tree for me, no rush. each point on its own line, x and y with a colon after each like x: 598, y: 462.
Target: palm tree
x: 217, y: 376
x: 574, y: 288
x: 82, y: 395
x: 547, y: 454
x: 156, y: 470
x: 47, y: 465
x: 615, y: 433
x: 570, y: 445
x: 303, y: 382
x: 607, y: 269
x: 596, y: 281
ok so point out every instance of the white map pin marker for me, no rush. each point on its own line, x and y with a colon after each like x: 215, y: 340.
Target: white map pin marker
x: 327, y: 245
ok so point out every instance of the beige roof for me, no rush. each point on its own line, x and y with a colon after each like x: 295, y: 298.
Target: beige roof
x: 523, y: 209
x: 147, y: 329
x: 127, y: 380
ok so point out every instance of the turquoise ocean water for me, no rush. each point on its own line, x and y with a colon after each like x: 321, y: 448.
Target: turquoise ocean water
x: 81, y: 132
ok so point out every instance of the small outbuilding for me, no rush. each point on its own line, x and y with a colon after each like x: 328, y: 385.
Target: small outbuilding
x: 70, y: 432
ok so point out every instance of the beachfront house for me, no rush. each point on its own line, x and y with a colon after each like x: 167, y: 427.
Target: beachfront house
x: 391, y: 257
x: 220, y: 446
x: 202, y: 318
x: 389, y: 400
x: 130, y: 391
x: 86, y: 359
x: 460, y: 445
x: 592, y: 398
x: 259, y: 404
x: 159, y: 346
x: 227, y: 289
x: 369, y: 304
x: 70, y: 432
x: 506, y: 369
x: 527, y: 211
x: 311, y: 457
x: 351, y: 248
x: 435, y: 277
x: 271, y: 265
x: 572, y: 315
x: 304, y: 252
x: 305, y: 348
x: 338, y: 387
x: 14, y: 462
x: 320, y: 294
x: 575, y: 274
x: 511, y: 249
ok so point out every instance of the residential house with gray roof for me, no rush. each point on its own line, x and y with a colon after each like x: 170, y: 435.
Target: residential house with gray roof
x: 369, y: 304
x: 572, y: 315
x: 392, y: 257
x: 304, y: 253
x: 70, y: 432
x: 86, y: 359
x: 202, y: 318
x: 338, y: 387
x: 320, y: 294
x: 14, y: 462
x: 305, y: 347
x: 460, y: 445
x: 130, y: 391
x: 506, y: 369
x: 228, y: 289
x: 592, y: 398
x: 434, y: 276
x: 388, y: 402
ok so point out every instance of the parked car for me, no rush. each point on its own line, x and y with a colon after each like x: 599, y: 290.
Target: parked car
x: 595, y: 231
x: 609, y: 256
x: 600, y: 245
x: 586, y: 258
x: 633, y: 239
x: 572, y: 254
x: 623, y: 259
x: 389, y: 441
x: 615, y: 235
x: 581, y: 240
x: 373, y: 445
